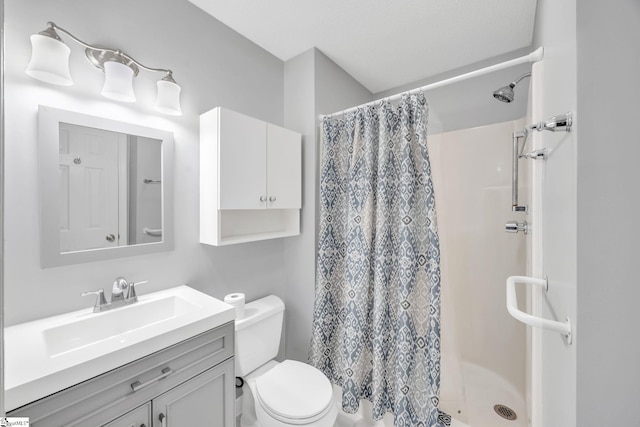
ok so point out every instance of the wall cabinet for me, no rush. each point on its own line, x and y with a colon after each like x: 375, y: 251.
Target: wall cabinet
x: 250, y: 179
x: 190, y: 383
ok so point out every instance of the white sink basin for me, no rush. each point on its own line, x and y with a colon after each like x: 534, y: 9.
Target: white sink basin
x: 48, y: 355
x: 88, y: 330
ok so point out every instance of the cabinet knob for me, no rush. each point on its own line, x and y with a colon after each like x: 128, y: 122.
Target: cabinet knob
x: 272, y: 198
x: 263, y: 198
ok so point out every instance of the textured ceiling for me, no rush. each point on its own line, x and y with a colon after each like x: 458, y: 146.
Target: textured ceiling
x: 383, y: 43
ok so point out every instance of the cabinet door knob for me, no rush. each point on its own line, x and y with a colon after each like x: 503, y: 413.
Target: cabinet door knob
x: 272, y: 198
x: 263, y: 198
x: 110, y: 237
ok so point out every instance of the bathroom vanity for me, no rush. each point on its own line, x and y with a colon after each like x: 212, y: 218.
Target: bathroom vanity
x: 142, y: 381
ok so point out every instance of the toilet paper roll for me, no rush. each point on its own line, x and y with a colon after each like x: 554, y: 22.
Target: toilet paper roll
x: 236, y: 300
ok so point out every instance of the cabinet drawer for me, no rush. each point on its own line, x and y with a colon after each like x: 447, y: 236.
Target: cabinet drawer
x: 103, y: 398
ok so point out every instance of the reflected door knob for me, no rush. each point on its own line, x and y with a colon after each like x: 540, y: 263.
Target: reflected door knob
x: 110, y: 237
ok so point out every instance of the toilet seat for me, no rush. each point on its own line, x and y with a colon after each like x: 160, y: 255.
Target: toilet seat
x: 294, y: 393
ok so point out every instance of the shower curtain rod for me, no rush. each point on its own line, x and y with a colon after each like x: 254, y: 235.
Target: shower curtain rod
x: 534, y: 56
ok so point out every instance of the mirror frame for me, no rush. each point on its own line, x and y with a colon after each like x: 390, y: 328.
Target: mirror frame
x: 49, y: 119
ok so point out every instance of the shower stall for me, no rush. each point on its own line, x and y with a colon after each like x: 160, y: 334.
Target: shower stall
x: 486, y: 362
x: 483, y: 348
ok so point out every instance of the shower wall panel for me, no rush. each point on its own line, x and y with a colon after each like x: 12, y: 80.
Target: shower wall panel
x: 472, y: 179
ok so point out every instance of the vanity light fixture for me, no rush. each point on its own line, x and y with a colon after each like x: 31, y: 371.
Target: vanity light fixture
x: 50, y: 63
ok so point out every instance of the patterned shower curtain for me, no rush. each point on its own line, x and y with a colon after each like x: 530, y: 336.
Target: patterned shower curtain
x: 376, y: 325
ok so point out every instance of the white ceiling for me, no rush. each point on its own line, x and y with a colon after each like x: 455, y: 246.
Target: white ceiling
x: 383, y: 43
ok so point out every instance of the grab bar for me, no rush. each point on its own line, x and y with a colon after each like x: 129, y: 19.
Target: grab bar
x: 512, y: 307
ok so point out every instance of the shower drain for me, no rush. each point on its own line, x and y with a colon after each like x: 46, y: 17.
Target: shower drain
x: 505, y: 412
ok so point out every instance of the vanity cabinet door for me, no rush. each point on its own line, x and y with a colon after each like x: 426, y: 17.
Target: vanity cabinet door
x: 206, y: 401
x: 140, y: 417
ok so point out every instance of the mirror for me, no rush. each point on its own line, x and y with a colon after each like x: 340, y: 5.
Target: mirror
x: 105, y: 188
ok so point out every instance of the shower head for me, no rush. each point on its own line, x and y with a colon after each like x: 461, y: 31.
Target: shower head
x: 505, y: 93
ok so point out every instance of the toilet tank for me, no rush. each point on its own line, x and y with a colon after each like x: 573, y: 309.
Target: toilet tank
x: 258, y: 334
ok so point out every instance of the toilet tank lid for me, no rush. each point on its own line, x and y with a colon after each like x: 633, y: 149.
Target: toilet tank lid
x: 258, y: 310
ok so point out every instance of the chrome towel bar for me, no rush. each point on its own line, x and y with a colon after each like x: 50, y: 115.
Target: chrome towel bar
x: 563, y: 328
x: 156, y: 232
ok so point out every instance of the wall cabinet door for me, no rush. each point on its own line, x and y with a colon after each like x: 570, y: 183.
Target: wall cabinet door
x: 242, y: 161
x: 206, y: 401
x: 284, y: 172
x: 259, y: 164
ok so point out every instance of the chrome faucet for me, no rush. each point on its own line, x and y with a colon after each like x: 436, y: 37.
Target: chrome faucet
x: 119, y: 289
x: 122, y: 293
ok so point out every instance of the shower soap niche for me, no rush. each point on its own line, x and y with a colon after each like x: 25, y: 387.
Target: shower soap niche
x: 250, y: 179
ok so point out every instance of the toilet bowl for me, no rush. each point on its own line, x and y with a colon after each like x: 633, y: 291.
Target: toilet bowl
x: 289, y: 393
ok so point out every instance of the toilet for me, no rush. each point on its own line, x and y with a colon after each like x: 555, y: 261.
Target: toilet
x: 277, y: 394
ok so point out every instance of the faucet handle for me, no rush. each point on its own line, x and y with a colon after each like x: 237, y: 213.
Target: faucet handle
x: 132, y: 289
x: 100, y: 301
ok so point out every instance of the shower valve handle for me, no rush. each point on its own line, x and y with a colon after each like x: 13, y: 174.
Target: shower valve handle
x: 514, y: 227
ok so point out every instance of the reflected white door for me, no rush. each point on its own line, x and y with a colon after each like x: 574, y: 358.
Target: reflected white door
x: 88, y: 188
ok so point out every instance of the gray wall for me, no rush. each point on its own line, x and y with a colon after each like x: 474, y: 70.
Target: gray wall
x: 608, y: 368
x: 313, y: 85
x: 215, y: 67
x: 591, y: 204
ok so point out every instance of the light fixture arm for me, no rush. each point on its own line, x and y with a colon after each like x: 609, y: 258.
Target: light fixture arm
x: 50, y: 63
x: 99, y: 55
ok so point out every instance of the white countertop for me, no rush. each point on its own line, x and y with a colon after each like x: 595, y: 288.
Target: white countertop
x: 32, y: 371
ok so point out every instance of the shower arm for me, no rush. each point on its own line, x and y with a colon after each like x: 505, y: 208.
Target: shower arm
x: 516, y: 81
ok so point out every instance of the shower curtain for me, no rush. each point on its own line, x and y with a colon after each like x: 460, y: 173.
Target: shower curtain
x: 376, y: 320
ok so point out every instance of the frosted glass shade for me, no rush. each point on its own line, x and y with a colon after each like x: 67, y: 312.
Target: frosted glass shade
x: 168, y: 101
x: 118, y: 82
x: 49, y: 61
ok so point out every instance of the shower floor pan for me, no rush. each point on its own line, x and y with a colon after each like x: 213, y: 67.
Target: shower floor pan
x: 483, y: 389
